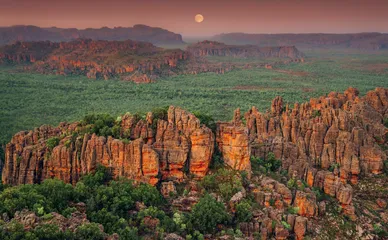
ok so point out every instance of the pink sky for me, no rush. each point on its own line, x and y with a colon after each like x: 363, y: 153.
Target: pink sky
x: 252, y: 16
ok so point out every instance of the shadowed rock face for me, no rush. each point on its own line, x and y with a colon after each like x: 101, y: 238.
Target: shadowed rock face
x: 153, y: 154
x: 210, y: 48
x: 139, y: 32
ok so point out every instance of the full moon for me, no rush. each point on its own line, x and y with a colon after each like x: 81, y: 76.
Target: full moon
x: 199, y: 18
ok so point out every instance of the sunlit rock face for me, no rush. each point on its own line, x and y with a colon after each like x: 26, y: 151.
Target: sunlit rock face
x: 338, y: 130
x: 329, y: 142
x: 158, y: 150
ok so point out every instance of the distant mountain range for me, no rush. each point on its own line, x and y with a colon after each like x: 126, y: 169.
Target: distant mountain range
x: 368, y: 41
x: 9, y: 35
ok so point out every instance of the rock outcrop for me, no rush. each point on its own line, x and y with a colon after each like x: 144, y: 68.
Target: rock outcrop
x: 158, y: 149
x: 211, y: 48
x: 337, y: 131
x: 139, y: 62
x: 330, y: 143
x: 129, y: 60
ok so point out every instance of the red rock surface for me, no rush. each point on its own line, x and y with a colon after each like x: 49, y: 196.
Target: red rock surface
x: 175, y: 143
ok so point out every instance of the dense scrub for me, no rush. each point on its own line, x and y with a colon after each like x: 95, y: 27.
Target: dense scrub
x: 30, y: 100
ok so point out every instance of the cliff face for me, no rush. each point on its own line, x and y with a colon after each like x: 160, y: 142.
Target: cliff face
x: 210, y: 48
x: 368, y: 41
x: 153, y: 153
x: 329, y: 142
x: 154, y: 35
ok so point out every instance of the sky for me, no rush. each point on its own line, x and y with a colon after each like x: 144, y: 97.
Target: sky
x: 221, y: 16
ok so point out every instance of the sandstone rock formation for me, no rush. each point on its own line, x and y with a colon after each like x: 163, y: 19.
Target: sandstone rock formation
x: 158, y: 150
x: 140, y: 62
x: 130, y: 60
x: 340, y: 130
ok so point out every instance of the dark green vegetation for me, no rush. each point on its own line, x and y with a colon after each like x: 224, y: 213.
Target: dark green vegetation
x: 30, y: 100
x: 108, y: 203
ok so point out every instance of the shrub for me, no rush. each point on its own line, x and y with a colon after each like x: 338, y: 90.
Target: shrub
x: 51, y: 143
x: 128, y: 233
x: 293, y: 210
x: 316, y: 113
x: 291, y: 183
x: 100, y: 176
x: 51, y: 231
x: 333, y: 166
x: 386, y: 122
x: 67, y: 143
x: 206, y: 120
x: 207, y: 214
x: 386, y: 167
x: 160, y: 113
x: 286, y: 225
x: 89, y: 231
x: 243, y: 212
x: 225, y: 182
x: 271, y: 164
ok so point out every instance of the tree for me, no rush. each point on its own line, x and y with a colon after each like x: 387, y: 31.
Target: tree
x: 89, y: 231
x: 52, y: 232
x: 243, y: 212
x: 207, y: 214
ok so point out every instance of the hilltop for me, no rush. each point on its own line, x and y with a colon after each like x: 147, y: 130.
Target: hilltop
x: 9, y: 35
x: 365, y: 41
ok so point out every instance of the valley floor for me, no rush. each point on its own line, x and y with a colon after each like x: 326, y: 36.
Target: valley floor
x: 29, y: 100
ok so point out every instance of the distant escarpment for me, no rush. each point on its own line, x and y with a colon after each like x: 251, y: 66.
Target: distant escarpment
x: 211, y: 48
x: 130, y: 60
x: 140, y: 62
x: 366, y: 41
x: 9, y: 35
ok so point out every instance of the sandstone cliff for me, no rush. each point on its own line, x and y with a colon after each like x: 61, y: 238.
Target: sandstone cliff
x: 327, y: 147
x: 158, y: 149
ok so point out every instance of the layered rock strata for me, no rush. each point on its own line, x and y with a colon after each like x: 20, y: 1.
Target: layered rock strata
x: 157, y: 150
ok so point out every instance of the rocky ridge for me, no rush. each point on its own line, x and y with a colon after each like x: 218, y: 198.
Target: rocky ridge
x: 212, y: 48
x: 129, y: 60
x: 140, y: 62
x: 138, y: 32
x: 364, y: 41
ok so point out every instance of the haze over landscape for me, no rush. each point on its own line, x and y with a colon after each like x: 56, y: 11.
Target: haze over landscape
x: 221, y: 16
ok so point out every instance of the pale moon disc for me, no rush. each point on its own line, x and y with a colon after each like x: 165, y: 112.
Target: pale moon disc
x: 199, y: 18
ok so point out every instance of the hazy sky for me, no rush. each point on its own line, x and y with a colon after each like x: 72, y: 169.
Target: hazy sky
x: 253, y: 16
